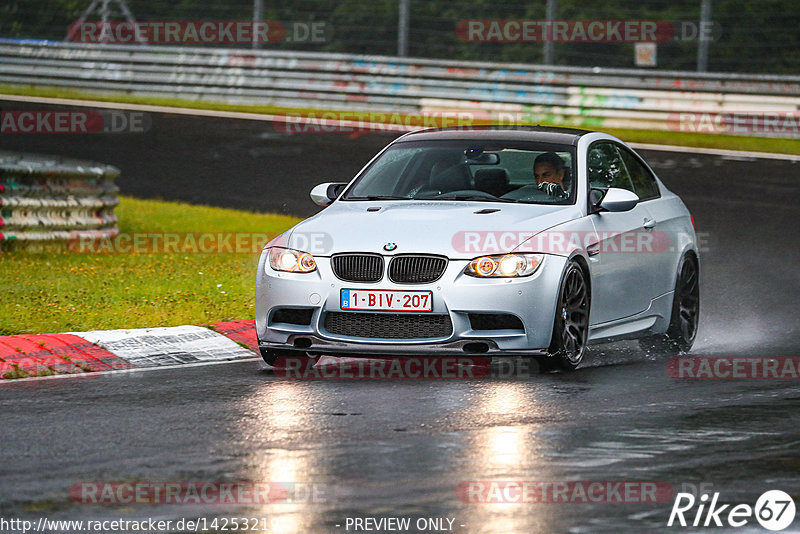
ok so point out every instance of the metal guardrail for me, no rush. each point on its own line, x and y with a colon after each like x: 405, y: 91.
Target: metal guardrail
x: 592, y: 97
x: 46, y: 199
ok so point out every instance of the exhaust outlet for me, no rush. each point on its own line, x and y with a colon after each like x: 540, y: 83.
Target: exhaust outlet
x: 475, y: 348
x: 302, y: 343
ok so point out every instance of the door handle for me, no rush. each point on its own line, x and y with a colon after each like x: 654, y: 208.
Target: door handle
x: 649, y: 224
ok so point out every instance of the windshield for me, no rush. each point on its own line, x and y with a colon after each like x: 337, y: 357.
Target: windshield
x: 494, y: 171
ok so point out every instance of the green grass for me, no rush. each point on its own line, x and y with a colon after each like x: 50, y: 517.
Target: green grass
x: 62, y: 291
x: 731, y: 142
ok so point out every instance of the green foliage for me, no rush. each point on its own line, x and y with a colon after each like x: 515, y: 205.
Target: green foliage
x: 760, y: 37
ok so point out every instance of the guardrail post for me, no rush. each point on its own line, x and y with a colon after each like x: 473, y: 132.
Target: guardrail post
x: 552, y: 7
x: 402, y: 29
x: 258, y: 14
x: 702, y: 37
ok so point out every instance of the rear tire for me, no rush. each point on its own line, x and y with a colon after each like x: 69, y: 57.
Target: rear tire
x: 685, y: 316
x: 571, y: 324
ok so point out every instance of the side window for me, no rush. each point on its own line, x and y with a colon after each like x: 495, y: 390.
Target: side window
x: 606, y: 168
x: 644, y: 183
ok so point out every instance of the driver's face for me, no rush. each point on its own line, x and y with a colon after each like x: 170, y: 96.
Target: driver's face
x: 545, y: 172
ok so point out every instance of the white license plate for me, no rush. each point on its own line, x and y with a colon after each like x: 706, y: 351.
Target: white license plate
x: 369, y: 299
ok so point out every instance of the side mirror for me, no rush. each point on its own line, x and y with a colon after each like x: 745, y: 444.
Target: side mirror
x: 324, y: 194
x: 617, y: 199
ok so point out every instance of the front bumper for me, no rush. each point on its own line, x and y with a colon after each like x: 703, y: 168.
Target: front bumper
x: 350, y: 348
x: 532, y: 299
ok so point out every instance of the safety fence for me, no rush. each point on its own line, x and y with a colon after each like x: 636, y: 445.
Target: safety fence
x: 511, y: 93
x: 50, y: 200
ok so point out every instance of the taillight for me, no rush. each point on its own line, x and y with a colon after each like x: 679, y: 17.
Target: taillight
x: 692, y: 219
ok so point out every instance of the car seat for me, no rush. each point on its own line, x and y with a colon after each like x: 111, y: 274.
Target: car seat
x: 493, y: 181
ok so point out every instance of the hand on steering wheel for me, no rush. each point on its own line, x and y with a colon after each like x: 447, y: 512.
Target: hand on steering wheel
x: 552, y: 189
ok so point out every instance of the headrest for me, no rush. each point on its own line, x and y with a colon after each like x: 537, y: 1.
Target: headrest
x: 491, y: 177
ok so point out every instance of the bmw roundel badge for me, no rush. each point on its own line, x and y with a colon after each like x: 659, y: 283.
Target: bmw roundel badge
x: 389, y: 246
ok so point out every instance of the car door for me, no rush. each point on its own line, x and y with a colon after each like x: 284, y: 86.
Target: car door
x: 663, y: 226
x: 622, y: 276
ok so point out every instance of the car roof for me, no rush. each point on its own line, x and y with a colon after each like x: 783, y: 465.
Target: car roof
x: 541, y: 134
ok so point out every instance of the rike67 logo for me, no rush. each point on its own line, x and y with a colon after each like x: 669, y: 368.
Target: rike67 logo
x: 774, y: 510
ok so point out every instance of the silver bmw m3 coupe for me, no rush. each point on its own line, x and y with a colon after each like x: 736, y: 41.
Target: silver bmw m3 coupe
x: 493, y: 241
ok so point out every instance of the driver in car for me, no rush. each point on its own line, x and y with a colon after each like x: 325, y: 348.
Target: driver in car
x: 549, y: 171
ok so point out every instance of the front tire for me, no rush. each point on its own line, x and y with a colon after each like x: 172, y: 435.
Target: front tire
x: 685, y: 316
x: 571, y: 324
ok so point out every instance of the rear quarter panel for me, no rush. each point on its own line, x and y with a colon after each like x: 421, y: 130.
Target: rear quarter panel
x: 674, y: 220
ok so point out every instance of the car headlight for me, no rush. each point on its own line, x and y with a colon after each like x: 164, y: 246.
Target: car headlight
x: 291, y: 261
x: 504, y: 265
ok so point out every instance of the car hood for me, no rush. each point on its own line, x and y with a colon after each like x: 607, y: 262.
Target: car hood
x: 456, y: 229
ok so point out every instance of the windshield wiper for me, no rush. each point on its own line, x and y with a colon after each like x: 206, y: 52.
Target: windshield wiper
x: 377, y: 197
x: 476, y: 198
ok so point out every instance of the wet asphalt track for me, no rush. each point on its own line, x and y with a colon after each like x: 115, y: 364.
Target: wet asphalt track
x: 400, y: 448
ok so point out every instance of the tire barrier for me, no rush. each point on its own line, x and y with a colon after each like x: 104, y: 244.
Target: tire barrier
x: 51, y: 200
x: 497, y: 92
